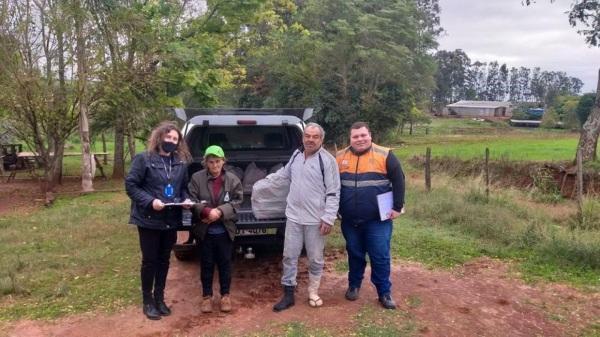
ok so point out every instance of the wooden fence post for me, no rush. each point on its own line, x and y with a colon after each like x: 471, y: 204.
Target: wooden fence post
x: 428, y: 169
x: 487, y: 172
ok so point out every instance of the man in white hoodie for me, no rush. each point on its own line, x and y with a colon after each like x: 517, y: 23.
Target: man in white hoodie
x: 312, y: 206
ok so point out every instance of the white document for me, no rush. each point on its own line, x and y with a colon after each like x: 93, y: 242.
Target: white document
x: 385, y: 201
x: 191, y: 203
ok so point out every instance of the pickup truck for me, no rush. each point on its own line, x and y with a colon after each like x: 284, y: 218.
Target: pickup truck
x: 266, y: 137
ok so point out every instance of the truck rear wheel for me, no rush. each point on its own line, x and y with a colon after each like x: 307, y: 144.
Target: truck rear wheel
x: 185, y: 251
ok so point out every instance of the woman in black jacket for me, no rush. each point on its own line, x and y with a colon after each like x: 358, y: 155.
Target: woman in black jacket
x: 158, y: 177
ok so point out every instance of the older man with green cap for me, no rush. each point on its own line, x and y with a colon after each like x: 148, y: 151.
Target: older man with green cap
x: 214, y: 223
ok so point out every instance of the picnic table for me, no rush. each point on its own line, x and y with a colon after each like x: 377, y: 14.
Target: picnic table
x: 28, y: 161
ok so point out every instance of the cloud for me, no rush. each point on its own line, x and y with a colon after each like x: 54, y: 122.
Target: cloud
x: 508, y: 32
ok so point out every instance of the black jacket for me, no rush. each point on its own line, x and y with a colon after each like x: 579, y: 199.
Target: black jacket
x: 146, y: 181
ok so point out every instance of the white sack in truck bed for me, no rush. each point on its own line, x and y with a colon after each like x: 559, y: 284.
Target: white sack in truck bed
x: 252, y: 174
x: 269, y: 197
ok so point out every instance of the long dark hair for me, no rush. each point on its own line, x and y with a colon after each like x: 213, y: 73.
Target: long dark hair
x: 157, y: 135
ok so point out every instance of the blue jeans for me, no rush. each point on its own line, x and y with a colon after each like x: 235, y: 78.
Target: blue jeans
x: 373, y: 238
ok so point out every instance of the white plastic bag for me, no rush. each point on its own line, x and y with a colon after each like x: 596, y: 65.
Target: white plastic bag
x: 252, y: 174
x: 269, y: 197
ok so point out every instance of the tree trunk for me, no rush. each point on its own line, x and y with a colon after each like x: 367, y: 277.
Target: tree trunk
x: 55, y: 153
x: 104, y: 148
x: 87, y: 184
x: 590, y: 131
x: 131, y: 143
x: 119, y: 162
x: 53, y: 164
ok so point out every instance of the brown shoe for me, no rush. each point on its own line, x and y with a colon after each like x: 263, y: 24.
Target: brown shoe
x: 206, y: 304
x: 225, y: 303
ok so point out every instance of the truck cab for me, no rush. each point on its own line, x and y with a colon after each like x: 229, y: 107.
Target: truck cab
x: 265, y: 137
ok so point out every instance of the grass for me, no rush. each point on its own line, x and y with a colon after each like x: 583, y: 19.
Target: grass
x: 76, y: 256
x: 368, y: 322
x: 593, y: 330
x: 468, y: 139
x: 387, y: 323
x: 453, y: 224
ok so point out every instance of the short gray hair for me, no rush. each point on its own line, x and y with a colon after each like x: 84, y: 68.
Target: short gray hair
x: 315, y: 125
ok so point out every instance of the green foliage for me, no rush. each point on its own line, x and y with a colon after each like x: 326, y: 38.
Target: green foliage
x: 584, y: 107
x: 563, y: 110
x: 589, y: 217
x: 544, y: 187
x: 368, y: 61
x: 452, y: 67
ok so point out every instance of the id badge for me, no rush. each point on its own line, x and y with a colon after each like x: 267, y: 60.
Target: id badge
x: 168, y: 191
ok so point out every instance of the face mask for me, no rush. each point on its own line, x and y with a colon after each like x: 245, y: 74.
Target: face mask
x: 168, y: 147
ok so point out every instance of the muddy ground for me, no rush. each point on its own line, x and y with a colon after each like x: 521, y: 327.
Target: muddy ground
x: 484, y: 297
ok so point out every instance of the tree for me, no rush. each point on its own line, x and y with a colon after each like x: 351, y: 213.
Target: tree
x: 513, y: 85
x: 81, y: 31
x: 164, y: 53
x: 503, y: 84
x: 562, y: 110
x: 476, y: 81
x: 584, y: 107
x: 586, y: 13
x: 36, y: 86
x: 451, y: 76
x: 493, y: 84
x: 523, y: 83
x: 353, y: 60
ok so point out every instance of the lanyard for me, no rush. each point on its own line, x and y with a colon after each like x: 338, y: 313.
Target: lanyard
x: 167, y: 172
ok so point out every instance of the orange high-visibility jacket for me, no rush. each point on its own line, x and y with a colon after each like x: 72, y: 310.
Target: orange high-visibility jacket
x: 365, y: 176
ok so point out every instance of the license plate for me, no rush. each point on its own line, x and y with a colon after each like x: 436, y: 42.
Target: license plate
x: 256, y: 231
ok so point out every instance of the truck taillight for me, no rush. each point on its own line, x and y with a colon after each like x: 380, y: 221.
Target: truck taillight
x: 246, y: 122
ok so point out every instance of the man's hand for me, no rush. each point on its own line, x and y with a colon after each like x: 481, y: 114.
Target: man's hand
x: 394, y: 214
x: 325, y: 228
x: 157, y: 205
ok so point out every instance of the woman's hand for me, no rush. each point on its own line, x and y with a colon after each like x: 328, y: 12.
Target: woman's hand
x: 188, y: 203
x: 157, y: 205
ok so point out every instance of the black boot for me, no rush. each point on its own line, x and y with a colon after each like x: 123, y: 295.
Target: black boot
x: 151, y: 312
x: 287, y: 300
x: 387, y: 302
x: 161, y: 306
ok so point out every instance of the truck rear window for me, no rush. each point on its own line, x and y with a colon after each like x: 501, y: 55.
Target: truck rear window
x: 242, y: 138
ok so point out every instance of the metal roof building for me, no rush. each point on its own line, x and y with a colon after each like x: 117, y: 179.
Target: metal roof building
x: 479, y: 109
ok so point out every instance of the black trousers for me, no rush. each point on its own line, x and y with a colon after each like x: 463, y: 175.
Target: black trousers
x: 156, y: 248
x: 216, y: 249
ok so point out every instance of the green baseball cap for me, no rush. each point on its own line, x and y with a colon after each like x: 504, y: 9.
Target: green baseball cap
x: 214, y: 150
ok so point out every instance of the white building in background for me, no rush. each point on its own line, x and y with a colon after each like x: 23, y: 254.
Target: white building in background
x: 478, y: 109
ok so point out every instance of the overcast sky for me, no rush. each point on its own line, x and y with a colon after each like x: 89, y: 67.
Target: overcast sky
x: 508, y: 32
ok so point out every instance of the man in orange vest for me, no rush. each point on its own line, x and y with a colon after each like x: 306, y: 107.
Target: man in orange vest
x: 366, y: 171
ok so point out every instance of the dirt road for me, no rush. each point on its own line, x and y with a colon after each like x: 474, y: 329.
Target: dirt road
x: 481, y: 298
